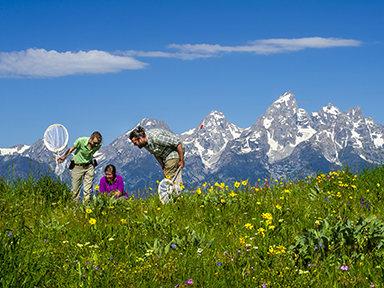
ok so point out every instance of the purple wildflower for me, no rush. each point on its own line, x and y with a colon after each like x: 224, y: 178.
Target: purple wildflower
x: 10, y: 234
x: 218, y: 263
x: 173, y: 245
x: 264, y: 285
x: 190, y: 281
x: 326, y: 199
x: 344, y: 268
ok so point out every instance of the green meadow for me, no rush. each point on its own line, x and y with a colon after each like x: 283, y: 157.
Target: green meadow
x: 322, y: 231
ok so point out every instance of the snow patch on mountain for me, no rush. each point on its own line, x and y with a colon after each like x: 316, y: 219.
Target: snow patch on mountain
x: 14, y: 150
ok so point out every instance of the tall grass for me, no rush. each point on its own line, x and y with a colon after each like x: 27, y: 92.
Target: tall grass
x: 322, y: 231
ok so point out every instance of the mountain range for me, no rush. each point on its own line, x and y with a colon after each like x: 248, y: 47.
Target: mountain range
x: 286, y: 142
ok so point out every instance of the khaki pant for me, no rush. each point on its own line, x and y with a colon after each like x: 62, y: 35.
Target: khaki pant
x: 84, y: 174
x: 171, y: 167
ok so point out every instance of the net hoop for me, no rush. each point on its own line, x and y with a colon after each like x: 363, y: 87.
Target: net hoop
x: 167, y: 188
x: 51, y: 134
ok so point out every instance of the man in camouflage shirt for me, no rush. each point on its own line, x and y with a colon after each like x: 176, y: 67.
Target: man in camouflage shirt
x: 164, y: 145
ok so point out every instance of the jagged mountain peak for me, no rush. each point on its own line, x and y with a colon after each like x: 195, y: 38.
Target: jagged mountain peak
x: 287, y: 97
x: 331, y: 109
x: 285, y: 107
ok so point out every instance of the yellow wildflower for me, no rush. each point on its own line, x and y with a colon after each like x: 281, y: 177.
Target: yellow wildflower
x: 267, y: 216
x: 92, y: 221
x: 88, y: 210
x: 249, y: 226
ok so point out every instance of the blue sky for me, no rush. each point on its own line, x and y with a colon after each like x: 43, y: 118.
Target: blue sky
x: 105, y: 65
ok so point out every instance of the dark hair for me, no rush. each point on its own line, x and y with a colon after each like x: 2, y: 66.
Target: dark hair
x: 112, y: 169
x: 137, y: 133
x: 97, y: 135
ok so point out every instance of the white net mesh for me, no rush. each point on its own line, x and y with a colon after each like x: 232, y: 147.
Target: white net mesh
x: 168, y: 187
x: 56, y: 140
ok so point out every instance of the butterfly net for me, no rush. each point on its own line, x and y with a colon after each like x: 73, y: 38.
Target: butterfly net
x: 168, y: 187
x: 56, y: 140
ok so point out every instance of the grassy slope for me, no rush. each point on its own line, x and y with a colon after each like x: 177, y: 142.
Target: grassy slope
x: 323, y: 231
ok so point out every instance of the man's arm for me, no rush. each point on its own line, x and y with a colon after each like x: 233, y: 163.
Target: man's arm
x: 161, y: 162
x: 62, y: 158
x: 181, y: 155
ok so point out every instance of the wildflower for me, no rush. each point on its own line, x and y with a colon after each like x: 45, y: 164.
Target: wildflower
x: 198, y: 191
x: 111, y: 207
x: 264, y: 285
x: 378, y: 184
x: 92, y: 221
x: 111, y: 239
x: 104, y: 213
x: 65, y: 241
x: 10, y: 234
x: 168, y: 176
x: 373, y: 285
x: 222, y: 200
x: 218, y: 263
x: 123, y: 221
x: 173, y: 245
x: 249, y: 226
x: 233, y: 194
x: 261, y: 230
x: 245, y: 182
x: 344, y: 268
x: 236, y: 184
x: 326, y: 199
x: 271, y: 227
x: 258, y: 203
x: 278, y: 206
x: 88, y: 211
x: 199, y: 250
x: 267, y: 216
x: 97, y: 187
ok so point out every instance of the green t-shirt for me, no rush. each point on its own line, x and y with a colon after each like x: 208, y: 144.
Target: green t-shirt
x: 83, y: 154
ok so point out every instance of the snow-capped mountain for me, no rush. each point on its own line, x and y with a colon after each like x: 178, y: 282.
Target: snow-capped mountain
x: 14, y: 150
x: 285, y: 142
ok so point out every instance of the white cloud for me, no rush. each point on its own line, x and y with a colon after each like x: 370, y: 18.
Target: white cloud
x: 40, y: 63
x: 267, y: 46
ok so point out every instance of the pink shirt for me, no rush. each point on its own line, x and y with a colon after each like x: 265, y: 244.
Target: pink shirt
x: 118, y: 184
